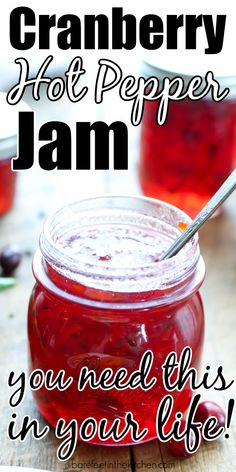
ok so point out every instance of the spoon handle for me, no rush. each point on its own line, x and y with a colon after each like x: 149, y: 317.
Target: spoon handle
x: 220, y: 196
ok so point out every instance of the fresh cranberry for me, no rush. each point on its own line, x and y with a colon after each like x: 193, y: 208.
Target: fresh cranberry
x: 207, y: 409
x: 105, y: 258
x: 178, y: 448
x: 10, y: 258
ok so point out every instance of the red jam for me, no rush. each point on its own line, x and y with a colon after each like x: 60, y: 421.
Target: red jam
x: 7, y: 185
x: 107, y: 301
x: 8, y: 149
x: 185, y: 161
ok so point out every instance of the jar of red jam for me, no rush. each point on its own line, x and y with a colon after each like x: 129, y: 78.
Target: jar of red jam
x: 186, y: 160
x: 102, y: 299
x: 8, y: 150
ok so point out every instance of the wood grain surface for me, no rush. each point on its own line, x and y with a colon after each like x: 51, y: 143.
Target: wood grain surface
x: 41, y: 192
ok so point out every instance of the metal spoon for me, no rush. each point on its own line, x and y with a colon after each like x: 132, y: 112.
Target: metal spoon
x: 220, y: 196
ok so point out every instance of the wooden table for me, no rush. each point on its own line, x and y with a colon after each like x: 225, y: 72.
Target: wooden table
x: 40, y: 192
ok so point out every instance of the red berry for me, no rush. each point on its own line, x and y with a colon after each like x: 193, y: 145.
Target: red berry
x: 10, y: 258
x: 105, y: 258
x: 178, y: 448
x: 207, y: 409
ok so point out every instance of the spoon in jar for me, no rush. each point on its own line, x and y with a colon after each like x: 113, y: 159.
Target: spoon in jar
x: 220, y: 196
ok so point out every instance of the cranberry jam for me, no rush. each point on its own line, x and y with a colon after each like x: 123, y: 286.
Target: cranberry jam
x: 8, y: 150
x: 102, y: 299
x: 186, y: 160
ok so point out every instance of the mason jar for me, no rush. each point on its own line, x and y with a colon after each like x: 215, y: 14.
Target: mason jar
x: 102, y: 299
x: 185, y: 160
x: 8, y: 150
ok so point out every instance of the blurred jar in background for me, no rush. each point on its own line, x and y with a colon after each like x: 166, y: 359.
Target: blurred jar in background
x: 184, y: 161
x: 8, y: 148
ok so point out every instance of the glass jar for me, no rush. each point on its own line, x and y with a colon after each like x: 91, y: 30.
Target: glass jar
x: 102, y: 299
x: 184, y: 161
x: 8, y: 150
x: 7, y: 184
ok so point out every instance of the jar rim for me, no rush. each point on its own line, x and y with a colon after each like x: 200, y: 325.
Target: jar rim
x: 159, y: 276
x: 121, y: 304
x: 9, y: 126
x: 8, y: 147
